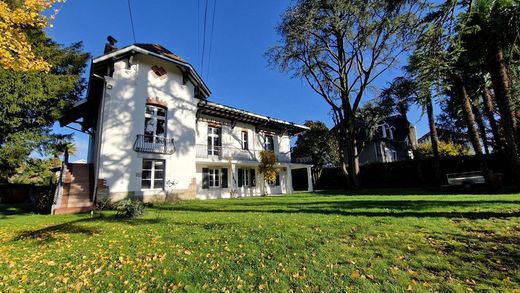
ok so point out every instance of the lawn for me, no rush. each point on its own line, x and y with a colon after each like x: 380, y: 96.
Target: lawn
x: 311, y: 242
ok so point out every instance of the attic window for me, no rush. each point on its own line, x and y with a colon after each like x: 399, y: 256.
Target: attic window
x: 159, y: 72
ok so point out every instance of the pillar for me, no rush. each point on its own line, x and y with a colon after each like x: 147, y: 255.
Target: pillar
x: 310, y: 188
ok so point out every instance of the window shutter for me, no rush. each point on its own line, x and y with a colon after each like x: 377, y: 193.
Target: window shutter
x: 277, y: 180
x: 240, y: 177
x: 224, y: 178
x: 253, y: 177
x: 205, y: 178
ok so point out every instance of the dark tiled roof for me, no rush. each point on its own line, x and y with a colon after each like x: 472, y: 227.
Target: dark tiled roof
x: 158, y: 49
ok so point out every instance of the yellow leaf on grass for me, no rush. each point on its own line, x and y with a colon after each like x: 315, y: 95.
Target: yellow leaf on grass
x: 355, y: 274
x: 394, y: 270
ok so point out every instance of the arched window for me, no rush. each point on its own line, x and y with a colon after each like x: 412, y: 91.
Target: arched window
x: 154, y: 124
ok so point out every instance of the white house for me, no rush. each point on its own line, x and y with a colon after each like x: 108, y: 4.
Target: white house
x: 154, y: 135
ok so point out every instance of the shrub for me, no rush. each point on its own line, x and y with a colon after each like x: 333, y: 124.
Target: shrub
x: 130, y: 208
x: 44, y: 201
x: 104, y: 204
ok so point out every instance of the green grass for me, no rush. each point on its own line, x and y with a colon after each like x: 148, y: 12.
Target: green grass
x: 308, y: 242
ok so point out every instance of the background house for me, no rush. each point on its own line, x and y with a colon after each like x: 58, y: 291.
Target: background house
x: 386, y: 142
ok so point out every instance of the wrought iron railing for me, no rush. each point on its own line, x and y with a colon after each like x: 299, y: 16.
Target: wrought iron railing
x: 154, y: 144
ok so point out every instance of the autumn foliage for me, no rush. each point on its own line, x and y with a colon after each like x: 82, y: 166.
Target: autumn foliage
x: 266, y: 168
x: 15, y: 50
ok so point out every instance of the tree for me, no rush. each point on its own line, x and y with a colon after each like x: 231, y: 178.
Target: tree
x: 496, y: 31
x: 339, y: 48
x: 34, y: 171
x: 32, y: 101
x: 16, y: 16
x: 318, y: 144
x: 436, y: 51
x: 446, y: 149
x: 267, y: 167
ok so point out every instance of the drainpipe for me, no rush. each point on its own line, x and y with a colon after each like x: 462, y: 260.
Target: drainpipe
x: 100, y: 137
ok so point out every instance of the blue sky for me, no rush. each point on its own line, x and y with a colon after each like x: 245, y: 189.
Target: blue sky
x: 236, y: 71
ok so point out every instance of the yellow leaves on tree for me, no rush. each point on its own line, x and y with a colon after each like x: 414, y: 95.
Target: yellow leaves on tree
x: 15, y: 51
x: 267, y: 165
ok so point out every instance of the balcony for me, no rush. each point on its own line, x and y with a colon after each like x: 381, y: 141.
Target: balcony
x: 234, y: 153
x: 154, y: 144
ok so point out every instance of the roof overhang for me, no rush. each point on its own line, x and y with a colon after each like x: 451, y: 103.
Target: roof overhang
x: 261, y: 121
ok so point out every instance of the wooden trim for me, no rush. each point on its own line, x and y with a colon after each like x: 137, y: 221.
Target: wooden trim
x: 214, y: 124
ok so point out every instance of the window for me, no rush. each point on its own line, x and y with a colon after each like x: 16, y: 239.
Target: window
x: 214, y: 140
x: 159, y: 72
x: 245, y: 140
x: 154, y: 124
x: 268, y: 143
x: 387, y: 131
x: 152, y: 176
x: 391, y: 155
x: 214, y: 178
x: 246, y: 177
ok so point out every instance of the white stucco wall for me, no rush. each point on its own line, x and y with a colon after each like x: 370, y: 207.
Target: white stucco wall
x: 123, y: 120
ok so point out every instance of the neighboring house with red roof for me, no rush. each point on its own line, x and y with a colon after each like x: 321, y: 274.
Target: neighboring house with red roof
x: 155, y: 135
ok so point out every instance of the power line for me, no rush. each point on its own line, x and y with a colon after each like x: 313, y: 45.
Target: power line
x: 198, y: 29
x: 204, y: 37
x: 211, y: 37
x: 131, y: 19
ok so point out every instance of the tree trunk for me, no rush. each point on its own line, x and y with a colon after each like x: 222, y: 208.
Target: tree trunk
x: 412, y: 138
x: 490, y: 115
x: 499, y: 77
x: 348, y: 149
x: 481, y: 127
x: 435, y: 140
x: 469, y: 117
x: 462, y: 94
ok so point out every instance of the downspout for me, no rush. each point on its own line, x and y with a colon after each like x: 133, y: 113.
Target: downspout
x: 100, y: 137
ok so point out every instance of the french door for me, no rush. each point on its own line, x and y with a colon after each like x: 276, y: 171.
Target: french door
x: 214, y: 141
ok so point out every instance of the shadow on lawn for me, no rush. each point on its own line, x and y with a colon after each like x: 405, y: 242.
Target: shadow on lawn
x: 15, y: 209
x: 368, y: 208
x: 51, y: 233
x: 500, y: 254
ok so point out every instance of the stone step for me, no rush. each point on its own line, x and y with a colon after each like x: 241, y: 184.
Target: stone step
x: 79, y: 204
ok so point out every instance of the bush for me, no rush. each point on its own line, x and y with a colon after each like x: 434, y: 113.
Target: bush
x: 105, y: 204
x: 130, y: 208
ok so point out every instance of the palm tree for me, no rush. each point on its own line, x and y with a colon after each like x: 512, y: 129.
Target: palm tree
x: 497, y: 24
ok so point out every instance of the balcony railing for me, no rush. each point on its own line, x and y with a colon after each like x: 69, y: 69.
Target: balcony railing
x: 234, y: 153
x: 154, y: 144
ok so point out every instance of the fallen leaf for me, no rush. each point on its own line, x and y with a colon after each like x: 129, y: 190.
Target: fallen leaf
x: 355, y: 274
